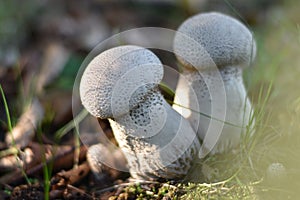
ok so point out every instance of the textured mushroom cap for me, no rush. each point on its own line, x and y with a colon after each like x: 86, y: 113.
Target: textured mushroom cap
x: 210, y: 39
x: 118, y: 79
x: 276, y: 171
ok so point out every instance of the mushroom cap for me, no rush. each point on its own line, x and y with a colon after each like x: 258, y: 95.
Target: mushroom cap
x: 276, y: 171
x: 118, y: 79
x: 214, y: 39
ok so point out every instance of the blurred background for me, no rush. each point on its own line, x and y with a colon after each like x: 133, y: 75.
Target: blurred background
x: 43, y: 43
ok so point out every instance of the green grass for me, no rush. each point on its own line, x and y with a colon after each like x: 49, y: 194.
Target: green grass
x: 70, y: 125
x: 47, y: 168
x: 16, y: 150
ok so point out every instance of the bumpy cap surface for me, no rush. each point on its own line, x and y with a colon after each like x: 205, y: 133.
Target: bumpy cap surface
x: 276, y: 171
x: 215, y: 37
x: 118, y: 79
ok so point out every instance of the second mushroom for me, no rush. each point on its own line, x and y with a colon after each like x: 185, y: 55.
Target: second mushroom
x: 214, y: 49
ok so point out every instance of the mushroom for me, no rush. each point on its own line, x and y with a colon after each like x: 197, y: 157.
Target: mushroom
x: 214, y: 49
x: 276, y: 175
x: 121, y: 84
x: 275, y: 172
x: 102, y: 157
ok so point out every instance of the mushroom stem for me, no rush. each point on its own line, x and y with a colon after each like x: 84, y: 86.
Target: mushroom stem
x: 167, y: 154
x: 197, y: 108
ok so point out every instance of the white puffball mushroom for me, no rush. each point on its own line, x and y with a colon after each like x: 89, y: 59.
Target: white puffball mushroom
x: 102, y: 157
x: 121, y: 84
x: 276, y: 172
x: 213, y: 45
